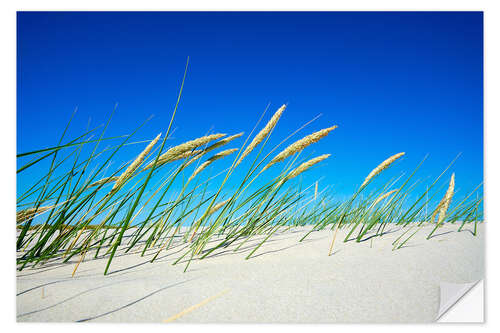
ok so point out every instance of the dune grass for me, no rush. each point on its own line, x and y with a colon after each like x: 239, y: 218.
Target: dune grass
x: 84, y: 205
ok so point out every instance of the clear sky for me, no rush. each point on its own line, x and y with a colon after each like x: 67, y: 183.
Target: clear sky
x: 392, y: 82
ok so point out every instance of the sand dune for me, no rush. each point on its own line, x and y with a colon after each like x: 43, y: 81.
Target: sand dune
x: 284, y: 282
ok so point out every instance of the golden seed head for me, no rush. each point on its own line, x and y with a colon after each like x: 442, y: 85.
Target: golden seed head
x: 383, y: 196
x: 303, y: 167
x: 381, y: 167
x: 168, y: 159
x: 103, y: 181
x: 26, y: 214
x: 172, y: 153
x: 194, y: 158
x: 218, y: 206
x: 186, y: 155
x: 222, y: 154
x: 446, y: 199
x: 210, y: 160
x: 223, y: 142
x: 300, y: 145
x: 263, y: 133
x: 135, y: 164
x: 199, y: 169
x: 316, y: 191
x: 436, y: 211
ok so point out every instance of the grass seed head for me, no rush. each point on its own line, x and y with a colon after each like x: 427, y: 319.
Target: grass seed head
x: 103, y: 181
x: 182, y: 156
x: 135, y: 164
x: 186, y: 155
x: 218, y: 206
x: 188, y: 146
x: 381, y: 167
x: 211, y: 160
x: 446, y: 199
x: 263, y: 133
x: 185, y: 149
x: 383, y: 196
x: 26, y: 214
x: 223, y: 142
x: 303, y: 167
x: 300, y: 145
x: 443, y: 201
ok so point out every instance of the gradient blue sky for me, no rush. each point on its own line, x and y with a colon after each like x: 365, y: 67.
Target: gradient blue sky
x: 392, y: 82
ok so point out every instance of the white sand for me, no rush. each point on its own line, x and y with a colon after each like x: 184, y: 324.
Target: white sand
x: 285, y: 282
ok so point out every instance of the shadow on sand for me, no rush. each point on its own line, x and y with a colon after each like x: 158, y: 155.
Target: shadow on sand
x: 133, y: 302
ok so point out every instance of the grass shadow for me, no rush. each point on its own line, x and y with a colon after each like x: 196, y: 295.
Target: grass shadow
x: 71, y: 297
x: 133, y: 302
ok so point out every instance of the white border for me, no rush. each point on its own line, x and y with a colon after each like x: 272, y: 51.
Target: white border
x: 8, y: 139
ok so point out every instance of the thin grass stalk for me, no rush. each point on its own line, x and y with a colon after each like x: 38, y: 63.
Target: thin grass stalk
x: 129, y: 215
x: 42, y: 193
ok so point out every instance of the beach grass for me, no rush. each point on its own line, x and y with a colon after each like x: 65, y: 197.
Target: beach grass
x: 83, y: 204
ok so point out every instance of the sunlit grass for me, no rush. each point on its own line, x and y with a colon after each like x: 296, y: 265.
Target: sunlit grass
x: 83, y: 204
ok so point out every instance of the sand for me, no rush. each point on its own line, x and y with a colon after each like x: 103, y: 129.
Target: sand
x: 284, y: 282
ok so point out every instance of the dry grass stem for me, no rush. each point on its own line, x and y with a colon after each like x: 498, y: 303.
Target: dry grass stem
x: 194, y: 307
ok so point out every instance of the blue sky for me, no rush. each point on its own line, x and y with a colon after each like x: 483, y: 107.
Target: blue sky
x: 392, y: 82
